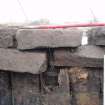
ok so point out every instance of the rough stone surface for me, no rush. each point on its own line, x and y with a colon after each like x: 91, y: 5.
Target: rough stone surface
x: 87, y: 99
x: 85, y: 56
x: 35, y: 38
x: 56, y: 99
x: 58, y: 95
x: 5, y: 89
x: 85, y: 86
x: 96, y: 36
x: 6, y: 37
x: 85, y: 79
x: 25, y: 89
x: 14, y: 60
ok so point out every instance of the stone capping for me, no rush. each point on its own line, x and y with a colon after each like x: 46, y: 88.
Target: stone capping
x: 48, y: 38
x: 35, y: 60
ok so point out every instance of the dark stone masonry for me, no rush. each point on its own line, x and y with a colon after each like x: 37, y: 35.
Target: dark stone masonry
x: 51, y: 67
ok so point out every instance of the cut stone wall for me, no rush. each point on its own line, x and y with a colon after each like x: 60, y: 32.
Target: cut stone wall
x: 51, y: 67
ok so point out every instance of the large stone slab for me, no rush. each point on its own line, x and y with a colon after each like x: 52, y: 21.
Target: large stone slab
x: 35, y: 38
x: 14, y: 60
x: 7, y: 37
x: 96, y: 36
x: 84, y: 56
x: 5, y: 89
x: 25, y: 89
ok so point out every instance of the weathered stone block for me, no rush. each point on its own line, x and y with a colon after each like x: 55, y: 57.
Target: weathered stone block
x: 35, y: 38
x: 25, y: 89
x: 96, y: 36
x: 5, y: 89
x: 84, y: 56
x: 14, y: 60
x: 7, y: 37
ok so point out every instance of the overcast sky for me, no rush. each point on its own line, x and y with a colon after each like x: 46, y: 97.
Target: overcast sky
x: 57, y: 11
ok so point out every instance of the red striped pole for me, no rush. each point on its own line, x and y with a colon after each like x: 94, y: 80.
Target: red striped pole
x: 69, y: 26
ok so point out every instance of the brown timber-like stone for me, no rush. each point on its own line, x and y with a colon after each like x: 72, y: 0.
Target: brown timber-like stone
x: 85, y: 86
x: 84, y: 56
x: 87, y: 99
x: 14, y: 60
x: 40, y: 38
